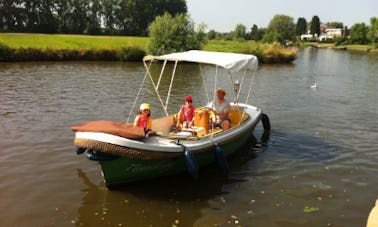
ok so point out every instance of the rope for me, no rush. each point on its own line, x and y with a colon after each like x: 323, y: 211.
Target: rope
x: 135, y: 101
x: 250, y: 86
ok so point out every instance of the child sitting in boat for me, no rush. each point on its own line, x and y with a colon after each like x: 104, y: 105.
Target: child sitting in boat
x: 143, y: 119
x: 186, y: 113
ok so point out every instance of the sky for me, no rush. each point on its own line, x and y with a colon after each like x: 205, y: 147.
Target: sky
x: 224, y: 15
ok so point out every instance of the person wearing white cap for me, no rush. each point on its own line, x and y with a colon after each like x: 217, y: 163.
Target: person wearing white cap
x: 143, y: 119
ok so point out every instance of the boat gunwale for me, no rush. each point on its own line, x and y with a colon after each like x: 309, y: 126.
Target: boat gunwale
x: 166, y: 145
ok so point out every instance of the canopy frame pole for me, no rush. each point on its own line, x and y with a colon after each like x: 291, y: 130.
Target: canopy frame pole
x: 138, y: 94
x: 250, y: 86
x: 161, y: 74
x: 170, y: 88
x: 155, y: 87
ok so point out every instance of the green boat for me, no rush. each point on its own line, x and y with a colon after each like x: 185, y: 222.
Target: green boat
x: 127, y: 155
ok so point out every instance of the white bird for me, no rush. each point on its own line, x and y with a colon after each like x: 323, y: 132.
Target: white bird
x: 314, y: 85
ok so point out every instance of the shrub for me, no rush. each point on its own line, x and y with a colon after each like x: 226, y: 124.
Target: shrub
x: 6, y: 53
x: 132, y: 53
x: 340, y: 41
x: 276, y: 54
x: 173, y: 34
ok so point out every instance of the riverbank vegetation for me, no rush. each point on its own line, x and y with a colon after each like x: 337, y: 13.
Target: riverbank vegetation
x: 35, y: 47
x: 129, y: 29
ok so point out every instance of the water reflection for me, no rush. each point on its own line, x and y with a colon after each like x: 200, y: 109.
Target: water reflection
x: 166, y: 201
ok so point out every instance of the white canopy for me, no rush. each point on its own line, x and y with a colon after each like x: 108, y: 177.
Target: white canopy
x: 230, y: 61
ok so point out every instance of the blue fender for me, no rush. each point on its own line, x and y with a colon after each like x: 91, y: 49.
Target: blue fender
x: 221, y: 160
x: 191, y: 163
x: 79, y: 150
x: 91, y: 155
x: 265, y: 121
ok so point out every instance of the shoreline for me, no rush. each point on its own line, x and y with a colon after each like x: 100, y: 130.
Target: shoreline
x: 357, y: 48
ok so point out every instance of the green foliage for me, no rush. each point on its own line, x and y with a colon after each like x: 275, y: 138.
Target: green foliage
x: 132, y: 53
x: 211, y: 35
x: 121, y: 17
x: 272, y: 37
x: 86, y: 42
x: 18, y: 48
x: 301, y: 27
x: 340, y: 41
x: 254, y: 49
x: 5, y: 52
x: 282, y: 25
x: 174, y: 34
x: 335, y: 24
x: 274, y: 53
x: 266, y: 53
x: 239, y: 32
x: 358, y: 34
x: 373, y: 30
x: 315, y: 25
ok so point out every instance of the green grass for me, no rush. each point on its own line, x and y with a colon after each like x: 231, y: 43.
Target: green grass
x: 27, y: 46
x: 227, y: 45
x: 352, y: 47
x: 71, y: 42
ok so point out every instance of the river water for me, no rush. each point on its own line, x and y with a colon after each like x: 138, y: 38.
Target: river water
x: 317, y: 168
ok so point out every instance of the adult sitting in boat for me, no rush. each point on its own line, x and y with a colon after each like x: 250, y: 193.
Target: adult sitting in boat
x: 221, y: 108
x: 143, y: 119
x: 186, y: 113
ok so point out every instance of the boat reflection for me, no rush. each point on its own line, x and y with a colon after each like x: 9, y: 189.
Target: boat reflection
x: 160, y: 202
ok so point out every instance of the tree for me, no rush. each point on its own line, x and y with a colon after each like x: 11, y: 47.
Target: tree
x: 173, y: 34
x: 335, y: 24
x: 284, y: 26
x: 94, y: 18
x: 126, y: 17
x: 315, y: 26
x: 257, y: 33
x: 301, y: 26
x: 254, y: 32
x: 211, y: 34
x: 240, y: 32
x: 272, y: 37
x: 358, y: 33
x: 373, y: 30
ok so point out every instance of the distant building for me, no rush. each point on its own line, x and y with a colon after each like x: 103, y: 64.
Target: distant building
x: 330, y: 33
x: 307, y: 37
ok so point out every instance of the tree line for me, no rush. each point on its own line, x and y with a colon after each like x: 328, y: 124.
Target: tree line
x: 283, y: 29
x: 93, y: 17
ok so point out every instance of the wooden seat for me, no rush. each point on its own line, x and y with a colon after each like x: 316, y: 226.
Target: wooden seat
x: 236, y: 116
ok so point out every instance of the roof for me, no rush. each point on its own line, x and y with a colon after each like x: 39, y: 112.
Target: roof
x: 230, y: 61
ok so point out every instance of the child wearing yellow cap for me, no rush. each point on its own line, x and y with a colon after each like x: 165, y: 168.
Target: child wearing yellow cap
x: 143, y: 119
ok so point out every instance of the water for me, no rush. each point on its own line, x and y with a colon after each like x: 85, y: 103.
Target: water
x: 321, y: 153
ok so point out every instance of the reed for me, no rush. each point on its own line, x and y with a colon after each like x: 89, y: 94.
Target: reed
x: 266, y: 53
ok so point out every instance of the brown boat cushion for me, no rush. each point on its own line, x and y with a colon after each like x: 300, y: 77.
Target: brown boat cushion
x: 111, y: 127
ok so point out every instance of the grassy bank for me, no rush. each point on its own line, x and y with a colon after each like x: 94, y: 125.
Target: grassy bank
x: 70, y: 42
x: 354, y: 47
x: 33, y: 47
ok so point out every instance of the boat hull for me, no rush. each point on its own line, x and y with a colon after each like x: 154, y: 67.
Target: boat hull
x: 125, y: 169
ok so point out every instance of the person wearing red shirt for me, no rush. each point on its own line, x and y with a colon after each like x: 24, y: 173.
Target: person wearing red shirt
x: 186, y: 113
x: 143, y: 119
